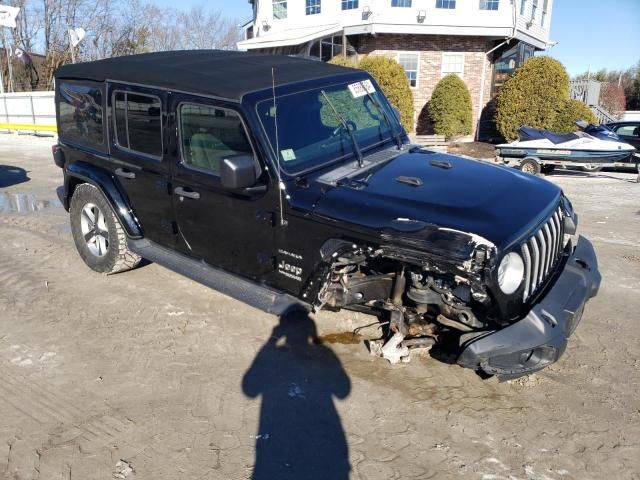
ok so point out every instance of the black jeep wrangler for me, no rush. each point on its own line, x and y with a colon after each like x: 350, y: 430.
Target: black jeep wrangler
x: 283, y: 182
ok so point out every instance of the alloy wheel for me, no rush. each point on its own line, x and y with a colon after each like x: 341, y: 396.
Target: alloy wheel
x: 94, y: 230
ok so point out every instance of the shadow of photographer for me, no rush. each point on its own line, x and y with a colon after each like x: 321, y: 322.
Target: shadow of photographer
x: 300, y: 434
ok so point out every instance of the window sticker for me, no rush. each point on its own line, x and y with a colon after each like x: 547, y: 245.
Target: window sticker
x: 358, y: 89
x: 288, y: 155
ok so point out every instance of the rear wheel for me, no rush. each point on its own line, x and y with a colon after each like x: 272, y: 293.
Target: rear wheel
x: 591, y: 168
x: 530, y: 165
x: 97, y: 232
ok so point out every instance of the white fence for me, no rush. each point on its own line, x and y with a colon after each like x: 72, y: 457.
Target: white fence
x: 33, y: 108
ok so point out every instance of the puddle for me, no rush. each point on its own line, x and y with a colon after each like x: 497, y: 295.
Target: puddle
x: 346, y: 338
x: 24, y: 203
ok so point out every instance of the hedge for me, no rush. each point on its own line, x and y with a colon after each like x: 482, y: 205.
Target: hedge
x: 450, y: 107
x: 392, y: 80
x: 570, y: 112
x: 533, y: 96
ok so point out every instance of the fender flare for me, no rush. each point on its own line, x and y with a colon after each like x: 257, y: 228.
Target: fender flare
x: 103, y: 181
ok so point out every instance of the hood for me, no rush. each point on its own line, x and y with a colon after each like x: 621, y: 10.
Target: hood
x: 421, y: 189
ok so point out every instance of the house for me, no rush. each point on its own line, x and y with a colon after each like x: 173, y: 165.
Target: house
x: 482, y: 41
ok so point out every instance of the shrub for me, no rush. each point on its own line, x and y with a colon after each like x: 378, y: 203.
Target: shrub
x: 450, y: 107
x: 345, y: 61
x: 612, y: 99
x: 392, y: 80
x: 569, y: 113
x: 532, y: 96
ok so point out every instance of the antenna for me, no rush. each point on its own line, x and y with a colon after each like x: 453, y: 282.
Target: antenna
x: 275, y: 122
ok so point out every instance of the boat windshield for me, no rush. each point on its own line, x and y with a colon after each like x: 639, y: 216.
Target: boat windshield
x: 320, y: 126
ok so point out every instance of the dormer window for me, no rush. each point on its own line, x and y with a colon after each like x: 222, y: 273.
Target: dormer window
x: 401, y: 3
x: 279, y: 9
x: 313, y: 7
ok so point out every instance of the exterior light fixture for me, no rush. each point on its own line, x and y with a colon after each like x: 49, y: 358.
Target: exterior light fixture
x: 366, y: 12
x: 265, y: 26
x: 422, y: 14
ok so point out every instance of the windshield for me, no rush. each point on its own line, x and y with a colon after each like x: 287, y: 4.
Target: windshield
x: 310, y: 126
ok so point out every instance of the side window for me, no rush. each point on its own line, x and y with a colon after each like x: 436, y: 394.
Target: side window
x: 210, y: 134
x: 80, y: 114
x: 138, y: 122
x: 628, y: 130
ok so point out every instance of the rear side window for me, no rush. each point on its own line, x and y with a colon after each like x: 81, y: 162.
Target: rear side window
x: 138, y: 122
x: 80, y: 114
x: 209, y: 135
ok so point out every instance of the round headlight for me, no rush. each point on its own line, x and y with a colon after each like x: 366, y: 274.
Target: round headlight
x: 510, y: 273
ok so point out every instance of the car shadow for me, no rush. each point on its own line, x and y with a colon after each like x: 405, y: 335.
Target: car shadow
x: 300, y: 434
x: 10, y: 175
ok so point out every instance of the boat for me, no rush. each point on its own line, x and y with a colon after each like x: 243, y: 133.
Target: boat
x: 591, y: 148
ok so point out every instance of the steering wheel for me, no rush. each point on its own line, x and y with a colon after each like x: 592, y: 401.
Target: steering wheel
x: 350, y: 123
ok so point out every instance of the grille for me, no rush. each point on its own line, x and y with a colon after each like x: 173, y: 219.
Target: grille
x: 541, y: 253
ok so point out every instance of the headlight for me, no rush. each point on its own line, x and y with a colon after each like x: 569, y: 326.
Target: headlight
x: 510, y: 273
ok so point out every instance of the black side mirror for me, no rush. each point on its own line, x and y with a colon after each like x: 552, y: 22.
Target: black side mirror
x: 238, y: 171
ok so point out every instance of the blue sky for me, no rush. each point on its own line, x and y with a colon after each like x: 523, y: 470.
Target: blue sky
x: 603, y: 34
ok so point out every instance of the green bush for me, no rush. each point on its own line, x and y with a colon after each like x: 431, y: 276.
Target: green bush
x: 392, y: 80
x: 345, y: 61
x: 450, y: 107
x: 570, y: 112
x: 533, y: 96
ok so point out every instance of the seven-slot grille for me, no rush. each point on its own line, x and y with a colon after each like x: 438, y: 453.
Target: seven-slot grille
x: 541, y: 252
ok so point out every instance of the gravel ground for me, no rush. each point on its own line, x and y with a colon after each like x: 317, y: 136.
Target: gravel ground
x: 147, y: 375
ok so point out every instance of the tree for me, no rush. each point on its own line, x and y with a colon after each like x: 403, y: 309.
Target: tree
x: 612, y: 99
x: 392, y: 80
x: 628, y: 79
x: 533, y: 96
x: 450, y: 107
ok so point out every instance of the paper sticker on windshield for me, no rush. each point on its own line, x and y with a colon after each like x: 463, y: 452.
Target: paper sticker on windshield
x: 360, y: 89
x: 288, y: 155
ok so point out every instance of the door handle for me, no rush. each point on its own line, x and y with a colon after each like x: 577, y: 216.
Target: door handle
x: 121, y: 172
x: 186, y: 193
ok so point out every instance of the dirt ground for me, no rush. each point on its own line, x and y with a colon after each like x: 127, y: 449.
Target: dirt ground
x: 147, y: 375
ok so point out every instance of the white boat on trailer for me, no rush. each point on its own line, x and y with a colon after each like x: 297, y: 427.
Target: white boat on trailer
x: 592, y: 148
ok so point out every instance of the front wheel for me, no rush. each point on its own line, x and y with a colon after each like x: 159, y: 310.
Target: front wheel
x: 97, y: 232
x: 593, y: 168
x: 530, y: 165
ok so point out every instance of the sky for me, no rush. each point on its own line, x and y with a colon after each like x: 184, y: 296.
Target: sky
x: 596, y: 33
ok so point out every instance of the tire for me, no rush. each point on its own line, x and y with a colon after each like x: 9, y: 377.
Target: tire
x: 531, y: 166
x: 591, y: 168
x: 547, y: 169
x: 98, y: 234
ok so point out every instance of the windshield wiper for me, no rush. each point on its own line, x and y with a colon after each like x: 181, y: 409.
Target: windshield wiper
x: 342, y: 121
x: 396, y: 135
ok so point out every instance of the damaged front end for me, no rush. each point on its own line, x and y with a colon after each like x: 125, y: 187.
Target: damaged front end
x: 441, y: 288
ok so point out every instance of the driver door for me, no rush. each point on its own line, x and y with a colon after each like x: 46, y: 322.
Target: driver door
x: 226, y: 229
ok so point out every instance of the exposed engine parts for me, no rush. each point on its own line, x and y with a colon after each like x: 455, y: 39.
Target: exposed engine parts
x: 423, y: 305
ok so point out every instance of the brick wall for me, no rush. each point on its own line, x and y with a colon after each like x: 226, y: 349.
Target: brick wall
x: 431, y: 48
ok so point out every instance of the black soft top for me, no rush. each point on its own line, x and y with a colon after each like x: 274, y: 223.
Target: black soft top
x: 226, y: 74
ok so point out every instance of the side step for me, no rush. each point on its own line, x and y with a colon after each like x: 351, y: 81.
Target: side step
x: 254, y: 294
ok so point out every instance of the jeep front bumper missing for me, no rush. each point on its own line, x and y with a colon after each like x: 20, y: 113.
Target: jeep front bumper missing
x: 540, y: 338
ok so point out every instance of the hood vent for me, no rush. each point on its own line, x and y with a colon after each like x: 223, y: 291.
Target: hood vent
x: 441, y: 164
x: 411, y: 181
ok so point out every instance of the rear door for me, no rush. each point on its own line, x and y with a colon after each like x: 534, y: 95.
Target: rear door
x: 630, y: 133
x: 139, y: 144
x: 227, y: 229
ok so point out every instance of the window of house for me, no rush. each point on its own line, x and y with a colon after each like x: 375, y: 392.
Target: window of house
x: 313, y: 7
x: 80, y: 114
x: 545, y: 5
x: 208, y: 135
x: 401, y: 3
x: 451, y: 4
x: 453, y: 63
x: 409, y: 62
x: 489, y: 4
x: 349, y: 4
x: 138, y: 122
x: 279, y: 9
x: 523, y: 6
x: 534, y: 8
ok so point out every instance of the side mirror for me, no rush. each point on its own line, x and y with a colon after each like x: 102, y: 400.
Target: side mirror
x: 238, y: 171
